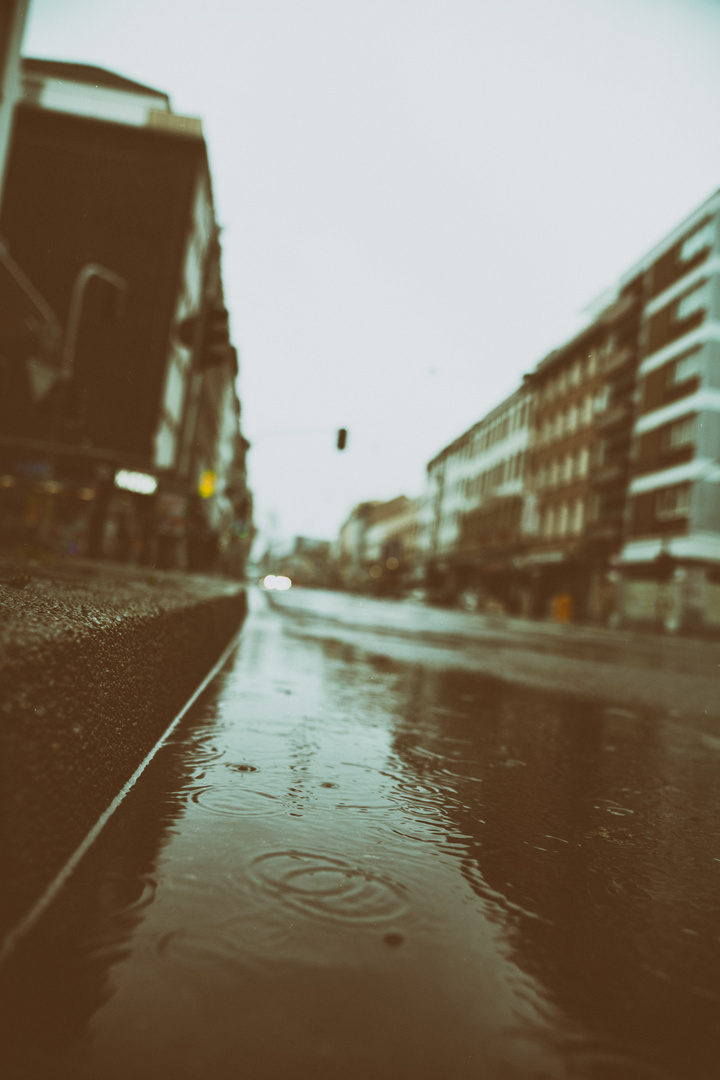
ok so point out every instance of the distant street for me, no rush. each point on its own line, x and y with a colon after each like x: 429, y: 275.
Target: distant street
x: 678, y: 675
x: 394, y: 841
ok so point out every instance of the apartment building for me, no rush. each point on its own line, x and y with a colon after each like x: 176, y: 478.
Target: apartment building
x: 390, y: 544
x: 472, y: 513
x: 13, y: 15
x: 377, y: 546
x: 580, y: 440
x: 108, y: 207
x: 671, y: 557
x: 348, y: 551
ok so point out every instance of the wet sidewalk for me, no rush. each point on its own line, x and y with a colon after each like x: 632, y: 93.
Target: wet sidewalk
x: 95, y: 660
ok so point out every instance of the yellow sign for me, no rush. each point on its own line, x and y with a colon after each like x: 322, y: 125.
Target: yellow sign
x: 206, y: 487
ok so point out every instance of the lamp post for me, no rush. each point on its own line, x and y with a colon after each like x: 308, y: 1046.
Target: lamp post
x: 72, y: 330
x: 70, y: 342
x: 85, y: 275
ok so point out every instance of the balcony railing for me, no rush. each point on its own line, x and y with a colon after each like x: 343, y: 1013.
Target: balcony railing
x: 602, y: 530
x: 617, y: 359
x: 605, y: 474
x: 616, y: 415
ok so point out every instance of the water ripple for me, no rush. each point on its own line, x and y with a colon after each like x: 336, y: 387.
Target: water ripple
x: 329, y: 886
x: 203, y: 753
x: 234, y: 801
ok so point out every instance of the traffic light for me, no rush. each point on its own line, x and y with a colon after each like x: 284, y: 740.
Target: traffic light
x: 186, y: 331
x: 342, y: 438
x: 215, y: 346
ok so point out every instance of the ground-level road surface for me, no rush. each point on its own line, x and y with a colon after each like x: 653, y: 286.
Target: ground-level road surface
x: 388, y: 842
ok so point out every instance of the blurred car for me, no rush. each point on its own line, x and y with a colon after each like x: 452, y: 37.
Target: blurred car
x: 276, y: 582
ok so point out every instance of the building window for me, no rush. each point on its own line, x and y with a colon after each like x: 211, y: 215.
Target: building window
x: 601, y: 399
x: 549, y: 524
x: 583, y: 461
x: 554, y: 472
x: 591, y: 364
x: 165, y: 445
x: 568, y: 469
x: 698, y: 241
x: 572, y: 418
x: 587, y: 409
x: 673, y: 502
x: 684, y: 368
x: 578, y: 517
x: 696, y: 300
x: 679, y: 434
x: 563, y: 519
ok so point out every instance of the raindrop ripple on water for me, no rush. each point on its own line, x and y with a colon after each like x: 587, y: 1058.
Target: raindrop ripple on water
x: 328, y: 886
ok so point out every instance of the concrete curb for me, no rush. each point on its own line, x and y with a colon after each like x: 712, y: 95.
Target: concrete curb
x: 94, y: 665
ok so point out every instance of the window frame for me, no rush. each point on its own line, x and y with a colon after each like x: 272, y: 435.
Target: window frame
x: 682, y: 501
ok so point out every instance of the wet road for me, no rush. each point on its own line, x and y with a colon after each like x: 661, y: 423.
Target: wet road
x: 365, y: 856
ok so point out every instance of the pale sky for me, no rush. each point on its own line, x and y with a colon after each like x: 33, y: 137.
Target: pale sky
x: 418, y: 199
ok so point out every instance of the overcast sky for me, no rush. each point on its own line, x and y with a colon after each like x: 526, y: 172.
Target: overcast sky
x: 418, y: 199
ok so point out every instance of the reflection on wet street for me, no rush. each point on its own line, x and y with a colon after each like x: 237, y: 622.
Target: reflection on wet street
x: 346, y: 864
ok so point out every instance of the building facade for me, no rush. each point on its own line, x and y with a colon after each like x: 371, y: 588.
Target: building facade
x: 593, y: 492
x: 581, y: 438
x: 671, y: 555
x: 13, y: 15
x: 109, y: 208
x: 377, y: 548
x: 473, y: 509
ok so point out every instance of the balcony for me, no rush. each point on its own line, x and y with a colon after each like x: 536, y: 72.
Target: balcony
x: 618, y: 414
x: 617, y: 359
x: 621, y: 308
x: 603, y: 530
x: 608, y: 474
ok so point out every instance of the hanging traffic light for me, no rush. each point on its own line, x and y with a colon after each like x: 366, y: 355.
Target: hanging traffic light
x: 215, y: 346
x: 342, y: 438
x: 186, y: 331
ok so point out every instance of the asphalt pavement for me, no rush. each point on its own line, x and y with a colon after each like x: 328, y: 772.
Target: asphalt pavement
x: 679, y: 676
x: 371, y: 850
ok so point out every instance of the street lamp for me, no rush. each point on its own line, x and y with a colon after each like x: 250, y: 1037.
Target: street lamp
x: 89, y: 271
